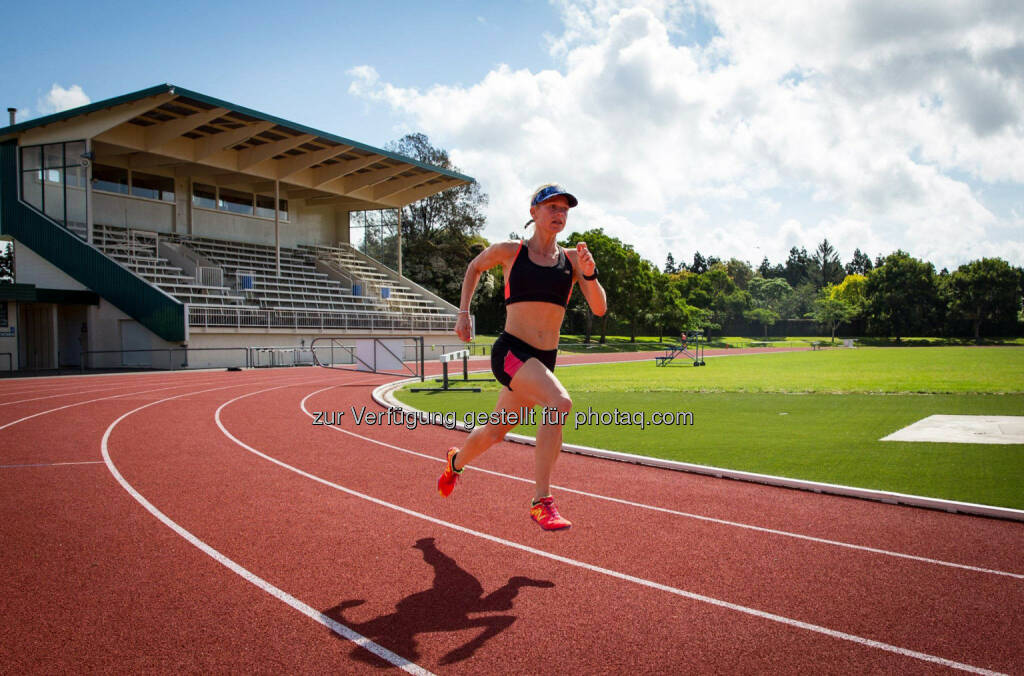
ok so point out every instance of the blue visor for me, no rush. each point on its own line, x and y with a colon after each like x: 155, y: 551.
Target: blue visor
x: 553, y: 191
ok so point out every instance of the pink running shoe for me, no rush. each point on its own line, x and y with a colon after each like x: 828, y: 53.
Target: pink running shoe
x: 450, y: 475
x: 545, y: 513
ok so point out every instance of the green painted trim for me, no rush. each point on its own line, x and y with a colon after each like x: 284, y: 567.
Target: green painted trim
x: 84, y: 110
x: 67, y: 297
x: 151, y: 307
x: 29, y: 293
x: 22, y: 293
x: 220, y: 103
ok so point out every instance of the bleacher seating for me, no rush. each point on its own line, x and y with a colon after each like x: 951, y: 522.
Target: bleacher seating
x: 396, y: 296
x: 252, y: 269
x: 254, y: 293
x: 137, y: 250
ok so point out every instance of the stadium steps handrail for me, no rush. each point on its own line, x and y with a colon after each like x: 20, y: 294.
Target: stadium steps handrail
x: 151, y: 306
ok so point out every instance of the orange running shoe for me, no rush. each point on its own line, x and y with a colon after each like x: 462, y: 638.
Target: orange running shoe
x: 450, y: 475
x: 545, y: 513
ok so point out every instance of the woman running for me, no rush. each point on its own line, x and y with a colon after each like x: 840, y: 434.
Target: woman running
x: 539, y: 276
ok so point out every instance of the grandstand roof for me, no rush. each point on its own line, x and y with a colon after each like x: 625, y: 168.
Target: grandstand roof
x: 216, y: 141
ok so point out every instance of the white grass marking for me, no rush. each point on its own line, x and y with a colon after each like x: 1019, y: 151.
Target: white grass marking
x: 244, y: 573
x: 963, y: 429
x: 832, y: 633
x: 664, y: 510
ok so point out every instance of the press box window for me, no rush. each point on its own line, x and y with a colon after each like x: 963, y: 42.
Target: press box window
x: 152, y: 187
x: 53, y: 182
x: 235, y: 201
x: 265, y: 207
x: 110, y: 179
x: 204, y: 196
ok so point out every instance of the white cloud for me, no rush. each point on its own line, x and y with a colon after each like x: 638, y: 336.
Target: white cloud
x: 59, y: 99
x: 875, y: 124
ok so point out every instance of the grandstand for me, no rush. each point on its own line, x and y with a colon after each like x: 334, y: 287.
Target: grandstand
x: 167, y: 220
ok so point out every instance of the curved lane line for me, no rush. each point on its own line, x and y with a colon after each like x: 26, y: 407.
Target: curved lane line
x: 761, y: 614
x: 247, y: 575
x: 665, y: 510
x: 88, y: 401
x: 62, y: 394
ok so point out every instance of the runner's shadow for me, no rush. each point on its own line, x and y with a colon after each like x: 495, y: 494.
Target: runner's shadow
x: 446, y: 606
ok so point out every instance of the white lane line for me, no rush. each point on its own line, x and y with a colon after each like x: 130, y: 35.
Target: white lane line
x: 54, y: 464
x: 244, y: 573
x: 832, y: 633
x: 92, y: 401
x: 62, y: 394
x: 664, y: 510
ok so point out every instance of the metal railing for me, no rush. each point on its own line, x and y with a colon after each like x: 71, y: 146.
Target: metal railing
x: 286, y: 355
x: 209, y: 276
x: 389, y: 355
x: 240, y: 318
x: 165, y: 359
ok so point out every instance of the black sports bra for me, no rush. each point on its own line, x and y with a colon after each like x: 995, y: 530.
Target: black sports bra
x: 528, y: 281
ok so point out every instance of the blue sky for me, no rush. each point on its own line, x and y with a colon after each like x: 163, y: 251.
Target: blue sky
x: 724, y: 126
x: 289, y: 60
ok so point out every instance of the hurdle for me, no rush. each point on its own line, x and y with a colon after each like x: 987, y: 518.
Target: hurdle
x: 445, y: 380
x: 697, y: 355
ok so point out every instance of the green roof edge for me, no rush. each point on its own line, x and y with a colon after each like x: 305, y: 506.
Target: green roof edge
x: 220, y: 103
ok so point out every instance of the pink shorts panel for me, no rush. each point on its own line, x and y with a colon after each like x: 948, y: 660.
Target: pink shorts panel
x: 512, y: 364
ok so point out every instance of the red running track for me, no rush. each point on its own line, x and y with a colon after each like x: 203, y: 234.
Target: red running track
x: 200, y: 522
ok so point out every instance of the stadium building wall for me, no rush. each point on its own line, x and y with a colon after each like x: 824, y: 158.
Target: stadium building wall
x: 174, y: 162
x: 311, y: 225
x: 96, y: 328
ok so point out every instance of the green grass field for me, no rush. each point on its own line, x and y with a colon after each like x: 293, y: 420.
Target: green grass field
x: 574, y: 343
x: 809, y: 415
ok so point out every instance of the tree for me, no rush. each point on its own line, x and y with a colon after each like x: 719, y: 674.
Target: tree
x: 636, y: 291
x: 831, y: 312
x: 797, y: 304
x: 6, y: 262
x: 769, y: 294
x: 796, y: 268
x: 698, y: 292
x: 860, y: 264
x: 440, y: 233
x: 456, y: 211
x: 769, y: 271
x: 902, y: 298
x: 670, y: 311
x: 629, y: 277
x: 728, y: 301
x: 985, y: 290
x: 699, y: 264
x: 824, y: 267
x: 762, y: 316
x: 740, y: 272
x: 670, y: 265
x: 851, y: 290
